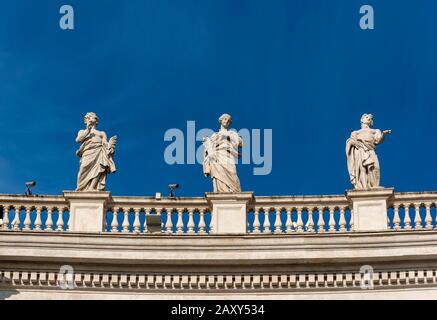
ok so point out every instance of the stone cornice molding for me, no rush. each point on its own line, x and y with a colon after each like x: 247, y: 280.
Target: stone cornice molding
x: 204, y: 250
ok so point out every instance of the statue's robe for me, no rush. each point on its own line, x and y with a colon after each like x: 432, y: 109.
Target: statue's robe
x: 95, y: 163
x: 220, y: 154
x: 362, y: 161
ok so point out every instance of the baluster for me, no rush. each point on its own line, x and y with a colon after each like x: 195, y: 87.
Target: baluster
x: 310, y: 222
x: 27, y: 220
x: 407, y: 219
x: 352, y: 222
x: 342, y: 221
x: 5, y: 217
x: 321, y: 221
x: 147, y: 212
x: 435, y: 207
x: 396, y: 218
x: 299, y: 224
x: 49, y: 221
x: 38, y: 221
x: 125, y: 225
x: 417, y: 218
x: 180, y: 222
x: 17, y: 218
x: 137, y: 220
x: 288, y: 222
x: 428, y: 217
x: 114, y: 222
x: 190, y: 225
x: 202, y: 224
x: 267, y: 221
x: 278, y: 222
x: 316, y: 228
x: 256, y: 223
x: 158, y: 213
x: 60, y: 222
x: 169, y: 223
x: 331, y: 219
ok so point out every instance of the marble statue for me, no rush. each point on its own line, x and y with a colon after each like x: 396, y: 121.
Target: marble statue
x: 96, y: 156
x: 220, y: 153
x: 362, y: 161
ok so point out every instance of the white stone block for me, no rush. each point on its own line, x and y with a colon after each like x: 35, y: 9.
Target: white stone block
x: 229, y: 212
x: 87, y: 210
x: 370, y: 208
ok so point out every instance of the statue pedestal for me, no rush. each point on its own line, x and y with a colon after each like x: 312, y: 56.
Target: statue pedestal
x: 87, y: 210
x: 370, y: 208
x: 229, y: 212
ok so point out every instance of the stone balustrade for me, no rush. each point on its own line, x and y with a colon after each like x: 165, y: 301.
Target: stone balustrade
x: 34, y: 213
x: 149, y: 215
x: 231, y: 214
x: 226, y: 244
x: 308, y: 214
x: 412, y: 211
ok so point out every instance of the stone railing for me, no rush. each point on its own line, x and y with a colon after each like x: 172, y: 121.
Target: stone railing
x: 412, y: 211
x: 34, y: 213
x: 220, y: 213
x: 149, y: 215
x: 307, y: 214
x: 232, y: 245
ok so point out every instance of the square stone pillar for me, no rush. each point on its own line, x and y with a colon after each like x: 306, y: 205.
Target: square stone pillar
x: 229, y: 212
x: 87, y: 210
x: 370, y: 208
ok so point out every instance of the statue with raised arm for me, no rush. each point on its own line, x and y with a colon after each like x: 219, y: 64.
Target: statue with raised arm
x: 220, y: 153
x: 362, y: 161
x: 96, y: 156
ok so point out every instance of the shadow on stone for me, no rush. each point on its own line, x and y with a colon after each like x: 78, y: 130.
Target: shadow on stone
x: 154, y: 224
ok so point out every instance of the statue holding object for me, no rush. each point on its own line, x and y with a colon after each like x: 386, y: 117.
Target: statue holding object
x: 362, y: 161
x: 96, y: 156
x: 220, y: 154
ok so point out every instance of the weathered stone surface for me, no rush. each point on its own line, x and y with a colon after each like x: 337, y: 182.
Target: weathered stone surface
x: 232, y: 263
x: 363, y: 164
x: 229, y: 211
x: 221, y: 152
x: 87, y: 210
x: 370, y: 208
x: 96, y: 156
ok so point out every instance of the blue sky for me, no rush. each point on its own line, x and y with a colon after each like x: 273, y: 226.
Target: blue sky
x: 301, y: 68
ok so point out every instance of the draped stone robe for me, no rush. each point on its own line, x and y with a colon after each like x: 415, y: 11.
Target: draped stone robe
x: 362, y: 161
x: 220, y: 154
x: 96, y: 161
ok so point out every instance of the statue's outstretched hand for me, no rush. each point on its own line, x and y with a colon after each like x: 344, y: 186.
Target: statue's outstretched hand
x: 386, y: 132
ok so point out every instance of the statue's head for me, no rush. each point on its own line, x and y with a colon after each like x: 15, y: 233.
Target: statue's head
x: 367, y: 119
x: 225, y: 120
x: 91, y: 118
